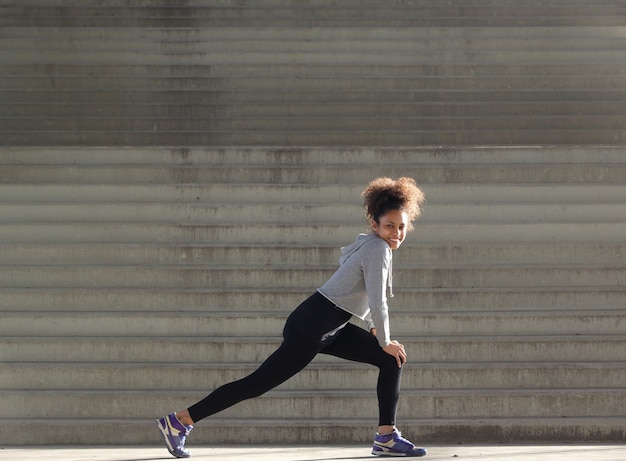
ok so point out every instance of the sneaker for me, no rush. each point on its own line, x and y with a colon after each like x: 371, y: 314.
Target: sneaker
x: 174, y: 433
x: 395, y: 445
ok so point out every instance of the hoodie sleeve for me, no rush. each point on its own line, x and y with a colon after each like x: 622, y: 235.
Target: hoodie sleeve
x: 376, y: 268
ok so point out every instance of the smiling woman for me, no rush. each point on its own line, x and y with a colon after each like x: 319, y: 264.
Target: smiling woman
x: 391, y: 227
x: 320, y: 324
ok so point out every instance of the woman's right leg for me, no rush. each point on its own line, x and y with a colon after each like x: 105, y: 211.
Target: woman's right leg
x: 315, y: 316
x: 302, y: 334
x: 292, y: 356
x: 295, y: 353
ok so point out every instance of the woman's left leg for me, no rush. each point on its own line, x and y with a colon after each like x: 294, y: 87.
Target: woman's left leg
x: 355, y: 344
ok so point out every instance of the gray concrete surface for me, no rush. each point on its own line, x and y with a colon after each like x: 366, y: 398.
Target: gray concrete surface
x: 548, y: 452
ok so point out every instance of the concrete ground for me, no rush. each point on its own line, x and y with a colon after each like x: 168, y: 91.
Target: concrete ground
x: 548, y: 452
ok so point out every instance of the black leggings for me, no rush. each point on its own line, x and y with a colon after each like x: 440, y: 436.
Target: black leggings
x: 298, y: 350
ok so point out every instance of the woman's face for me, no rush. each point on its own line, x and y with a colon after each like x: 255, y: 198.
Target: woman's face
x: 392, y: 227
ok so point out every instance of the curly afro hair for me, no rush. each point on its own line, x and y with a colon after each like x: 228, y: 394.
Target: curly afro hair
x: 386, y: 194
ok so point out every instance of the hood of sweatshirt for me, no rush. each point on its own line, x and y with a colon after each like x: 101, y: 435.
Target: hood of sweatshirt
x: 361, y: 240
x: 349, y: 250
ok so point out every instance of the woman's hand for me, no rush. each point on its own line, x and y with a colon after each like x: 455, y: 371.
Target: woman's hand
x: 396, y: 350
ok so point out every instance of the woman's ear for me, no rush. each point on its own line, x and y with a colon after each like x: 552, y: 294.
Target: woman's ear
x: 374, y: 225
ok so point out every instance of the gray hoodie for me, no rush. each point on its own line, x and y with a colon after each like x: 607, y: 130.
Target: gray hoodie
x: 359, y: 286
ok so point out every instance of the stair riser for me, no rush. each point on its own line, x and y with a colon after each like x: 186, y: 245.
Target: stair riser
x: 246, y: 278
x: 383, y: 157
x: 402, y: 324
x: 450, y: 134
x: 412, y: 254
x: 298, y: 39
x: 428, y: 300
x: 367, y: 105
x: 302, y: 214
x: 372, y: 85
x: 482, y: 349
x: 463, y: 377
x: 318, y: 405
x: 320, y: 234
x: 326, y: 57
x: 439, y: 194
x: 122, y: 432
x: 423, y: 174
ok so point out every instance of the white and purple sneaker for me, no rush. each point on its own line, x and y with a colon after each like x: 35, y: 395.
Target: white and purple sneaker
x: 395, y: 445
x: 174, y: 433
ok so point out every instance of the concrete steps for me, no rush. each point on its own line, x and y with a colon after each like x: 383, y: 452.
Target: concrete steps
x: 293, y: 276
x: 243, y: 323
x: 325, y: 233
x: 333, y: 431
x: 281, y: 13
x: 322, y: 374
x: 285, y: 73
x: 551, y: 348
x: 282, y: 299
x: 139, y: 254
x: 355, y: 404
x: 123, y: 269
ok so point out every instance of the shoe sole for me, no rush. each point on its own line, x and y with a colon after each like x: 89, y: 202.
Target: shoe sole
x: 389, y: 454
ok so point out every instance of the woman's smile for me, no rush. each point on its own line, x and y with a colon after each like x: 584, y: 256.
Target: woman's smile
x: 392, y: 227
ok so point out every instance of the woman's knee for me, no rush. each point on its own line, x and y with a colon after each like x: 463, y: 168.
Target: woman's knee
x: 389, y: 364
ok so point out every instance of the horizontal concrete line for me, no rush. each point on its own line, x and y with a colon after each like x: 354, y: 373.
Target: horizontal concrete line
x: 418, y: 41
x: 367, y: 84
x: 284, y: 125
x: 211, y: 103
x: 307, y: 12
x: 331, y: 90
x: 587, y: 90
x: 271, y: 4
x: 313, y: 33
x: 334, y: 138
x: 580, y: 275
x: 259, y: 18
x: 195, y: 213
x: 437, y: 234
x: 319, y: 404
x: 502, y: 173
x: 318, y: 376
x: 291, y: 194
x: 129, y: 324
x: 409, y: 21
x: 226, y: 350
x: 281, y: 300
x: 76, y: 36
x: 320, y: 7
x: 321, y: 57
x: 247, y: 156
x: 413, y: 254
x: 50, y: 106
x: 324, y: 431
x: 327, y: 123
x: 329, y: 15
x: 351, y: 13
x: 406, y: 70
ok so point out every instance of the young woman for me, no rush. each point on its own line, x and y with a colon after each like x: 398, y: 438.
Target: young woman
x: 320, y: 324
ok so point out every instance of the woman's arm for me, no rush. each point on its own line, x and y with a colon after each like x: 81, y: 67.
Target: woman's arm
x: 376, y: 265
